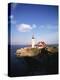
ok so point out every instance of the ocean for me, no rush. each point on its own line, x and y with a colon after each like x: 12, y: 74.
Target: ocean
x: 25, y: 66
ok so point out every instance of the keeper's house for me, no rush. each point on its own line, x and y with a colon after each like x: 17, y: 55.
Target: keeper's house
x: 41, y: 45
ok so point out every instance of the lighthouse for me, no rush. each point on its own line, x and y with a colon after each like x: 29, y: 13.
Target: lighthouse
x: 33, y: 41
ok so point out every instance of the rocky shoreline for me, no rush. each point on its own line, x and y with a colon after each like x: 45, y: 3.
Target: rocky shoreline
x: 30, y: 52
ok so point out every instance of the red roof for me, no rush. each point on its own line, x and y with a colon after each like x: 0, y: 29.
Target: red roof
x: 41, y: 43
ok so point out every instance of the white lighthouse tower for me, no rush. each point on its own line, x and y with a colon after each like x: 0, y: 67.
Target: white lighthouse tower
x: 33, y: 41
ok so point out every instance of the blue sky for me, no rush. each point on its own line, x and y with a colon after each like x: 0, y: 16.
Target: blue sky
x: 26, y: 19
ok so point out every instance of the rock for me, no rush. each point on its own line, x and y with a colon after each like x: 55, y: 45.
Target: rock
x: 27, y: 51
x: 30, y: 52
x: 52, y: 49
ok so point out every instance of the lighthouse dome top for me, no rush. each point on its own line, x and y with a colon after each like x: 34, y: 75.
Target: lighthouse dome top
x: 33, y: 36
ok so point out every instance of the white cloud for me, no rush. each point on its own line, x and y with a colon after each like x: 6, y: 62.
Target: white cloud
x: 11, y: 16
x: 52, y: 27
x: 24, y: 27
x: 14, y: 5
x: 48, y: 27
x: 42, y: 26
x: 12, y: 20
x: 34, y: 26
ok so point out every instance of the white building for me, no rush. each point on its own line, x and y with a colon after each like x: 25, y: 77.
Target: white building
x: 33, y: 41
x: 41, y: 44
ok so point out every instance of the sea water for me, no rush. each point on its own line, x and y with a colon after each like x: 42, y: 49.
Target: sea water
x: 30, y: 66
